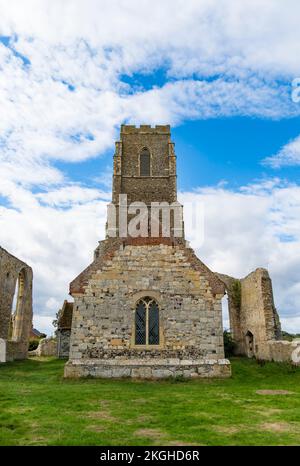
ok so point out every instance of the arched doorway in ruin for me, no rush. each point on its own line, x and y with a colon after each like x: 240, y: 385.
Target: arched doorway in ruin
x: 249, y: 344
x: 18, y: 304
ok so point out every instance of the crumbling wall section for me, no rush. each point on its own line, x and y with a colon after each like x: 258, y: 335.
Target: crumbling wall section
x: 63, y: 343
x: 254, y: 320
x: 64, y: 325
x: 15, y: 324
x: 258, y: 314
x: 285, y: 351
x: 47, y: 347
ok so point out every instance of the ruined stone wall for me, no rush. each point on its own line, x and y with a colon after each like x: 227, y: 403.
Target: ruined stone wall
x: 258, y: 314
x: 63, y: 343
x: 46, y: 347
x: 15, y: 329
x: 287, y: 351
x: 252, y: 312
x: 190, y: 308
x: 64, y: 325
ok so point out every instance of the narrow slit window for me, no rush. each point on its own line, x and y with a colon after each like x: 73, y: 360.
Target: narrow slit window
x: 145, y: 162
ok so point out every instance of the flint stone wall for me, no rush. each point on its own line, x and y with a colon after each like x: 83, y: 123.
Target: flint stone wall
x: 2, y: 350
x: 16, y: 337
x: 127, y: 177
x: 104, y: 309
x: 253, y: 311
x: 285, y: 351
x: 63, y: 333
x: 47, y: 347
x: 63, y: 343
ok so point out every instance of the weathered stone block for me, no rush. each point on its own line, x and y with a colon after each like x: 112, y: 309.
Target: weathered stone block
x: 15, y: 324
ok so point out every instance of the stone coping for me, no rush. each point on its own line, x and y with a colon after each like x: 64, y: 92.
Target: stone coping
x: 148, y: 362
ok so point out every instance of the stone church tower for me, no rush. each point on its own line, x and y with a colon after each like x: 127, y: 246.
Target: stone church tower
x: 146, y: 306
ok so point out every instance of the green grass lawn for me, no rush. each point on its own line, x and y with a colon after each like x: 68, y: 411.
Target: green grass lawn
x: 39, y: 407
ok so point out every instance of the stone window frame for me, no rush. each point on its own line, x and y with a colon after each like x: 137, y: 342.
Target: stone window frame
x: 18, y: 313
x: 139, y: 162
x: 137, y: 297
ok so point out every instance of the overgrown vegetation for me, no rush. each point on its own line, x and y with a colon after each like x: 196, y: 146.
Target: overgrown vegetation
x: 289, y: 336
x: 259, y: 405
x: 229, y: 344
x: 236, y: 294
x: 33, y: 344
x: 55, y: 321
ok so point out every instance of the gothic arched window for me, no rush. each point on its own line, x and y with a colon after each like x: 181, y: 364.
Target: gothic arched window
x: 147, y: 322
x: 145, y: 162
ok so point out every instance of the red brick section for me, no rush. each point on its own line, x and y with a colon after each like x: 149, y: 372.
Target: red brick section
x: 110, y: 247
x: 149, y: 241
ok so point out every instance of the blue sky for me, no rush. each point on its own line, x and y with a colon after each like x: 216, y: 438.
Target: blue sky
x: 219, y: 74
x: 216, y: 150
x: 232, y: 150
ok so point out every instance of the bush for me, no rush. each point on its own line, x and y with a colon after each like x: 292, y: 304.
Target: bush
x: 289, y: 336
x: 229, y: 344
x: 33, y: 344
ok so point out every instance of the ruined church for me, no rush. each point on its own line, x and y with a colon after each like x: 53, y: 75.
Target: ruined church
x: 147, y: 306
x: 15, y: 307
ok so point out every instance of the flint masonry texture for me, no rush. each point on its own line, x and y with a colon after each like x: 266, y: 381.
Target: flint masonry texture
x: 252, y: 312
x: 15, y: 324
x: 63, y: 332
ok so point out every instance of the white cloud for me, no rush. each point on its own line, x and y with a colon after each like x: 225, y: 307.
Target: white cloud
x: 288, y: 155
x: 66, y: 99
x: 44, y: 324
x: 258, y: 226
x: 69, y: 195
x: 52, y: 304
x: 290, y: 324
x: 253, y: 34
